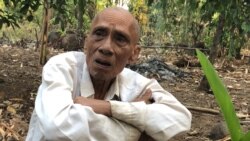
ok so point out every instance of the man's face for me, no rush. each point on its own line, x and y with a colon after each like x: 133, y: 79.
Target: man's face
x: 111, y: 44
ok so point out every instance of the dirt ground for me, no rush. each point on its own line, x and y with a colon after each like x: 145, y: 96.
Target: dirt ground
x: 20, y: 76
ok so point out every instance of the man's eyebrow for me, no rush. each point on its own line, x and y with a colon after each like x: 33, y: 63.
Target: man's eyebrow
x: 122, y: 33
x: 98, y: 27
x: 114, y: 29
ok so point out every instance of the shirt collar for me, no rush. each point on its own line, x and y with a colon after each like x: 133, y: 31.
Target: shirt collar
x: 113, y: 90
x: 87, y: 89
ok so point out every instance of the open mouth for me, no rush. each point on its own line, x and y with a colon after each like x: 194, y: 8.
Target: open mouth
x: 103, y: 63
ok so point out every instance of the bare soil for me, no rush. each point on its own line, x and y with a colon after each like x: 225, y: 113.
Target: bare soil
x: 20, y: 76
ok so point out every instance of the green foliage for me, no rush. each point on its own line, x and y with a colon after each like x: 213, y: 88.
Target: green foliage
x: 245, y: 137
x: 20, y: 33
x: 236, y: 26
x: 8, y: 18
x: 174, y: 22
x: 223, y: 99
x: 15, y: 11
x: 139, y: 10
x: 192, y: 21
x: 66, y: 12
x: 162, y: 22
x: 101, y: 4
x: 2, y: 5
x: 246, y: 27
x: 62, y: 14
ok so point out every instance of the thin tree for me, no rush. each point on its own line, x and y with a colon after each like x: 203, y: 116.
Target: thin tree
x: 43, y: 52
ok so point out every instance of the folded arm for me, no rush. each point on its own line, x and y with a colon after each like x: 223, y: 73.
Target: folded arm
x: 62, y: 119
x: 161, y: 120
x: 155, y: 112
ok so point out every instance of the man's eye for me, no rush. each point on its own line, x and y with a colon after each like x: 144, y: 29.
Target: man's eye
x: 121, y: 39
x: 99, y: 33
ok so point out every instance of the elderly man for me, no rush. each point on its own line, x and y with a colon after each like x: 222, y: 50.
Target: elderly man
x: 93, y: 97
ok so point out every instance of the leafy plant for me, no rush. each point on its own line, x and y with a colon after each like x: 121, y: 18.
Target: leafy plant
x: 14, y: 11
x: 223, y: 99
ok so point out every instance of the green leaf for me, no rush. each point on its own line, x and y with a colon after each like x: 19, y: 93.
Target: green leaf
x: 222, y: 97
x: 57, y: 20
x: 35, y: 5
x: 30, y: 18
x: 6, y: 2
x: 246, y: 137
x: 24, y: 9
x: 75, y: 2
x: 245, y: 26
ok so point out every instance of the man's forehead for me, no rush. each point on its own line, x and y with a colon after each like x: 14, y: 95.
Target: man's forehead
x: 114, y: 16
x: 118, y: 19
x: 116, y: 10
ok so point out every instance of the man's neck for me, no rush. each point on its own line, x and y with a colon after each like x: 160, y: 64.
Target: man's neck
x: 101, y: 87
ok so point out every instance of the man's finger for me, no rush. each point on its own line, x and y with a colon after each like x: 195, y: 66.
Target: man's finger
x: 147, y: 95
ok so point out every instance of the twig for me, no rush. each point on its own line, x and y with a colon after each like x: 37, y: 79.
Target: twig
x: 15, y: 134
x: 204, y: 110
x: 221, y: 65
x: 37, y: 40
x: 246, y: 122
x: 227, y: 138
x: 173, y: 47
x: 212, y: 111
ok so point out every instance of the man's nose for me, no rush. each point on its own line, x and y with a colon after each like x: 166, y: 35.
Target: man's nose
x: 106, y: 48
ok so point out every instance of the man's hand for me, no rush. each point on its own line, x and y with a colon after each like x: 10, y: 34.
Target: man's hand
x: 99, y: 106
x: 103, y: 107
x: 146, y: 97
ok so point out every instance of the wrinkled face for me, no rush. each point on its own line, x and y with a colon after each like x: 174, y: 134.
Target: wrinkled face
x: 111, y: 44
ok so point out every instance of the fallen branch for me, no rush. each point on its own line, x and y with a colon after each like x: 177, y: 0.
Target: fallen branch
x: 204, y: 110
x: 14, y: 133
x: 227, y: 138
x: 174, y: 47
x: 214, y: 112
x: 246, y: 122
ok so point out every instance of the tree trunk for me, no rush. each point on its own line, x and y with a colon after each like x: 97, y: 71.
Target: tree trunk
x: 80, y: 11
x: 204, y: 85
x: 216, y: 41
x: 43, y: 52
x: 80, y: 30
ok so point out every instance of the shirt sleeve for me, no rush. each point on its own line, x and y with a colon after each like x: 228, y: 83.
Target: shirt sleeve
x: 60, y: 119
x: 161, y: 120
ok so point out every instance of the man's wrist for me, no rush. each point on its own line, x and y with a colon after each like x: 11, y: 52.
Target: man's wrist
x: 129, y: 112
x: 108, y: 109
x: 104, y: 108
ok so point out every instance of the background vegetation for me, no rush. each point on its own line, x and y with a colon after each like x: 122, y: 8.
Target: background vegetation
x: 221, y: 26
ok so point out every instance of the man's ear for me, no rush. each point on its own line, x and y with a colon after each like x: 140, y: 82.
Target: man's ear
x: 135, y: 54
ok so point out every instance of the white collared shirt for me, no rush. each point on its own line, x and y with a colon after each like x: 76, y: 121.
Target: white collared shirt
x: 57, y: 118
